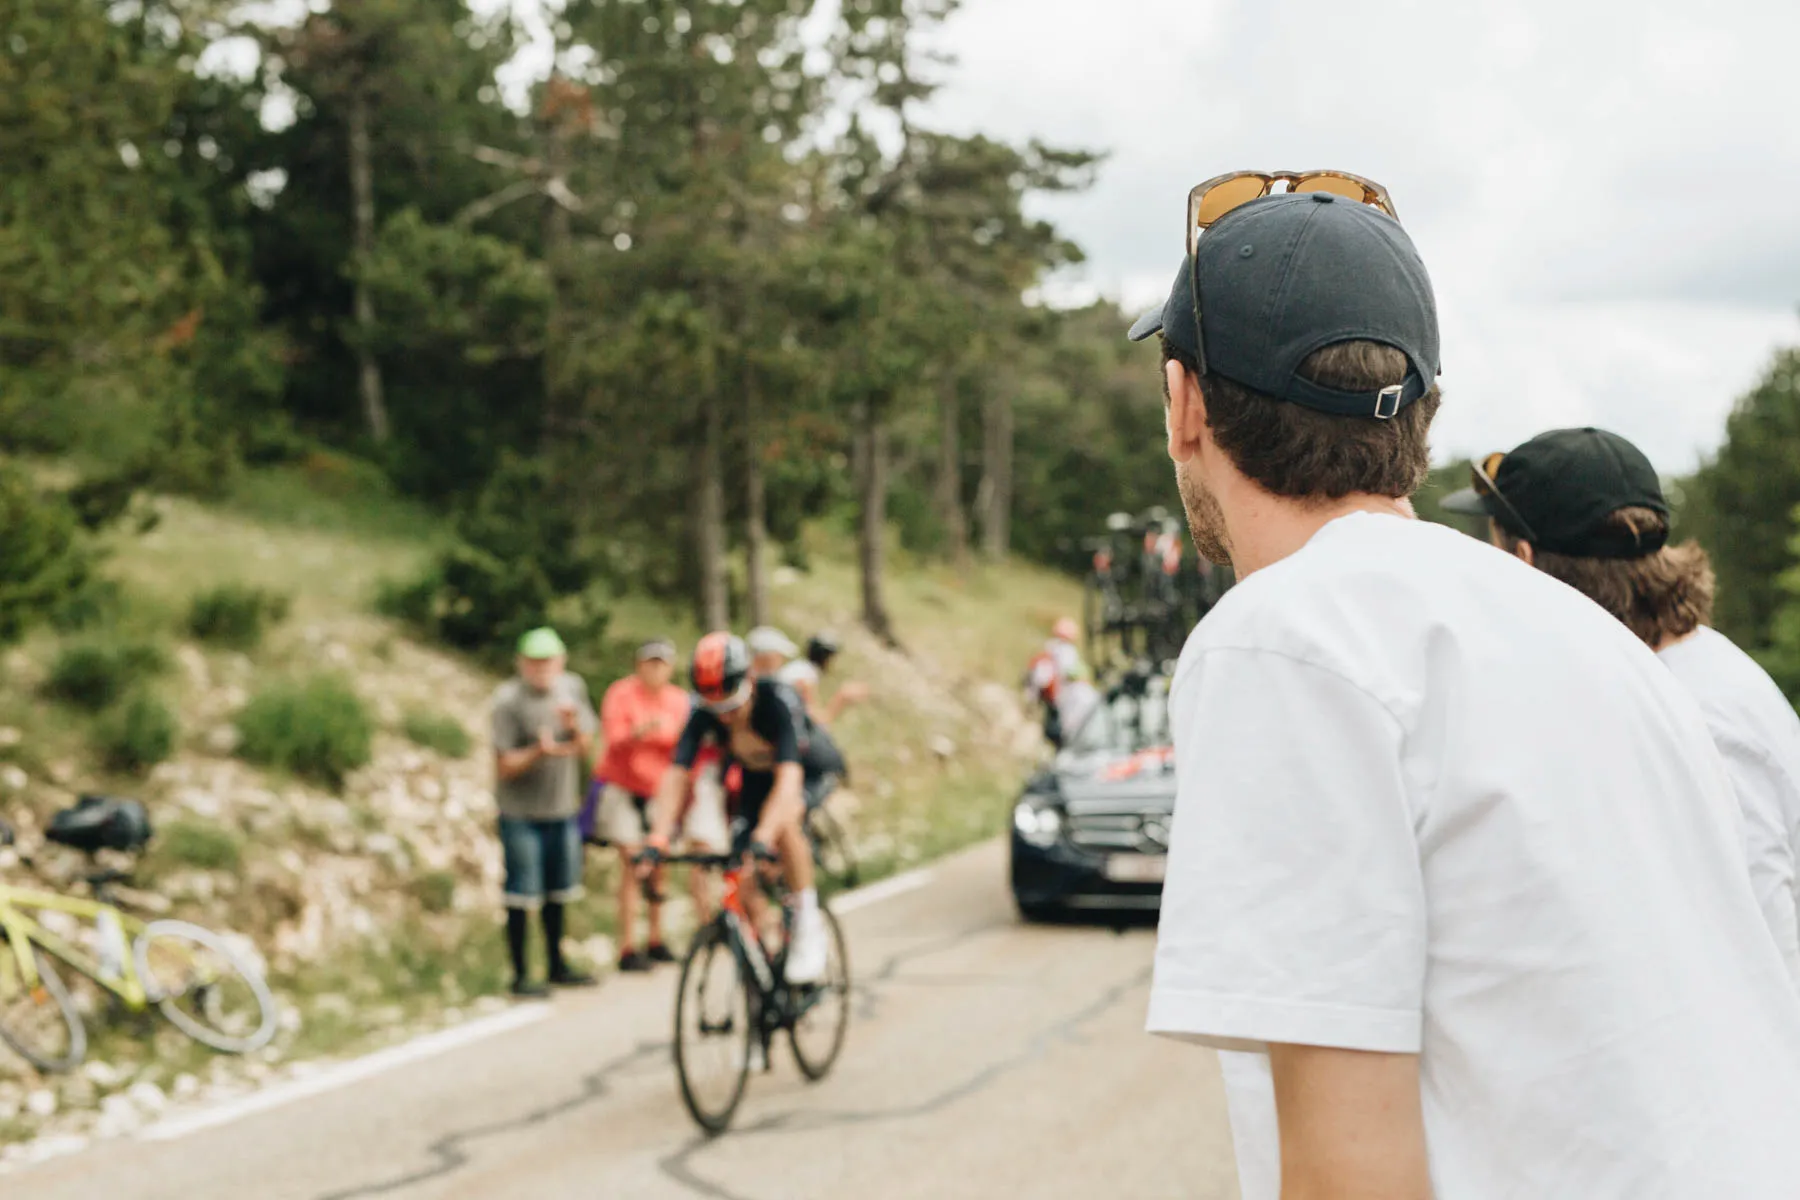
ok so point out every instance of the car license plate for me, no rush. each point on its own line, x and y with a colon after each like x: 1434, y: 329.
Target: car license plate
x: 1137, y: 868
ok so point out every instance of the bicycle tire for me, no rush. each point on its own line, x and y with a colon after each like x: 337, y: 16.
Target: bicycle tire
x: 711, y: 945
x: 837, y: 982
x: 832, y: 853
x: 168, y: 995
x: 51, y: 990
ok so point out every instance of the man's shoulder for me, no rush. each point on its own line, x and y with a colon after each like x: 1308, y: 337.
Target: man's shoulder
x: 509, y: 694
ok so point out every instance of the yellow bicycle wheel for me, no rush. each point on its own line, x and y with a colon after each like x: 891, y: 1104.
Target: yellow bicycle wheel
x: 38, y: 1019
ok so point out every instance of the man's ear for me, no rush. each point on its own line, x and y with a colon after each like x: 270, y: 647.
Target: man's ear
x: 1186, y: 415
x: 1526, y: 554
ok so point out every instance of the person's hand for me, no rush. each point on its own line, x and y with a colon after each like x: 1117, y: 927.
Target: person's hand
x: 566, y: 714
x: 650, y: 856
x: 549, y: 747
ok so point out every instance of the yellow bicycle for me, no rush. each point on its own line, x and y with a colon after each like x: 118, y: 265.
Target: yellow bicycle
x: 191, y: 974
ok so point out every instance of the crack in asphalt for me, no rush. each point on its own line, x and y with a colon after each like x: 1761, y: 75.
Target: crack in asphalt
x: 678, y: 1168
x: 450, y: 1150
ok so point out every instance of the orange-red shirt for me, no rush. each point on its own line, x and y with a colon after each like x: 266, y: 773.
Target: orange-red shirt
x: 641, y: 729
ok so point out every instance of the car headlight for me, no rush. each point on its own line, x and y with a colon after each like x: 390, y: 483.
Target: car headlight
x: 1038, y: 823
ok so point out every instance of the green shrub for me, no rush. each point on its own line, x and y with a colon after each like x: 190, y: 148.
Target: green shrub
x: 438, y: 731
x: 136, y: 733
x: 235, y: 615
x: 318, y: 729
x: 44, y: 558
x: 434, y: 890
x: 191, y: 842
x: 98, y: 671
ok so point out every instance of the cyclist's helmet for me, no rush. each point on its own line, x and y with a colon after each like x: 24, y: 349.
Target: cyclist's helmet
x: 721, y: 671
x: 822, y: 647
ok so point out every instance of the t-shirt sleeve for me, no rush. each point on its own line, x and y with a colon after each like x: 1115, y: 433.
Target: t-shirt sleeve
x: 785, y: 717
x: 616, y: 715
x: 1759, y: 785
x: 1294, y: 909
x: 504, y: 723
x: 693, y: 737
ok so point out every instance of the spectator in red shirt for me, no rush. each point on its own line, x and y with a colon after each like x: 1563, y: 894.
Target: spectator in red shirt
x: 642, y: 716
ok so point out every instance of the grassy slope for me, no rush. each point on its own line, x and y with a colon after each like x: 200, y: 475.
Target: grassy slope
x: 932, y: 769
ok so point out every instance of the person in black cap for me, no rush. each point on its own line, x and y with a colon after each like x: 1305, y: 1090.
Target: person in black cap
x: 1586, y: 507
x: 1455, y: 881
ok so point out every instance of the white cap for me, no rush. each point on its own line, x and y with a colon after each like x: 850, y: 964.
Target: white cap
x: 766, y: 639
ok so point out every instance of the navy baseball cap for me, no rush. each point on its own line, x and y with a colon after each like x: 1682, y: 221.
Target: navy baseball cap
x: 1292, y: 273
x: 1558, y: 489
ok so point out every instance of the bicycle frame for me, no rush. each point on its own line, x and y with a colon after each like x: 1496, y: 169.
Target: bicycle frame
x: 22, y: 932
x: 744, y: 938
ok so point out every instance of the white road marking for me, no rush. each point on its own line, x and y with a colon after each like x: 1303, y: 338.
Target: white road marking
x: 886, y: 889
x: 356, y: 1070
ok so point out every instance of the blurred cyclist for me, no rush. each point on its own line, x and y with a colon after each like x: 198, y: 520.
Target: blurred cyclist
x: 759, y: 725
x: 1059, y: 679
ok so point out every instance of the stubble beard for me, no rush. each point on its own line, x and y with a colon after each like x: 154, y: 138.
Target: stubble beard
x: 1206, y: 520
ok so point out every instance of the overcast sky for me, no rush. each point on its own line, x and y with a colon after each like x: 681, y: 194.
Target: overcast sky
x: 1606, y: 192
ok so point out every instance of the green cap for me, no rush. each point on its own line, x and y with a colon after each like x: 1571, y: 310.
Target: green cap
x: 542, y: 643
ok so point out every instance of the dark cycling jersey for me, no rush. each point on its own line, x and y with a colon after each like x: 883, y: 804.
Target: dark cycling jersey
x: 777, y: 734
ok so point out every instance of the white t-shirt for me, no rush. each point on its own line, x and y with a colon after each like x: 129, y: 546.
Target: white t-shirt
x: 1433, y: 801
x: 1758, y: 736
x: 796, y: 670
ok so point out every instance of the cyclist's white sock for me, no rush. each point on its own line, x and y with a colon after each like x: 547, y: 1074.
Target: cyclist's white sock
x: 808, y: 900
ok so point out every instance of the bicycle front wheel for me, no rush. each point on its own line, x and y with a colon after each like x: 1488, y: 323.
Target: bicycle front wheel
x: 204, y: 987
x: 714, y: 1029
x: 823, y: 1009
x: 39, y: 1019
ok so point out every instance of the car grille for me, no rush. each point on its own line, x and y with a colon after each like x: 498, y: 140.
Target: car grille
x: 1113, y: 829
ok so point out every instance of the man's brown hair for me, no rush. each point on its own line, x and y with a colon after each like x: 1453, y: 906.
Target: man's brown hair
x: 1294, y: 451
x: 1659, y: 596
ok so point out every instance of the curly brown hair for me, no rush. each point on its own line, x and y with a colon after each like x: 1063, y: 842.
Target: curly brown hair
x: 1300, y: 453
x: 1659, y: 597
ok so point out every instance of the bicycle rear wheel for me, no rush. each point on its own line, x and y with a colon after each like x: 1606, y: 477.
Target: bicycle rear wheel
x: 817, y: 1034
x: 832, y: 854
x: 204, y: 988
x: 714, y: 1029
x: 39, y: 1021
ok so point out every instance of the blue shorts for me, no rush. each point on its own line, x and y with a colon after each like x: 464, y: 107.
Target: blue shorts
x: 543, y: 860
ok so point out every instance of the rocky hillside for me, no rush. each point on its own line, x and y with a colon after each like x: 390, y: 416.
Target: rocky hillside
x: 373, y: 903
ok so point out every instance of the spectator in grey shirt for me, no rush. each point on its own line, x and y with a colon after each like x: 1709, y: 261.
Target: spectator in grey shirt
x: 544, y: 725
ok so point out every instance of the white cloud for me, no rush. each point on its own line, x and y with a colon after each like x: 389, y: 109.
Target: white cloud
x: 1604, y: 193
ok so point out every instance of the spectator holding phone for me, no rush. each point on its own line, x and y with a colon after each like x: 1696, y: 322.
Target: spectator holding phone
x: 642, y: 716
x: 543, y: 728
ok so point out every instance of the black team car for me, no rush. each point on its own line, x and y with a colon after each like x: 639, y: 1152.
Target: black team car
x: 1091, y: 831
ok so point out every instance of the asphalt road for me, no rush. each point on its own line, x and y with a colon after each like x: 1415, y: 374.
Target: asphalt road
x: 985, y: 1058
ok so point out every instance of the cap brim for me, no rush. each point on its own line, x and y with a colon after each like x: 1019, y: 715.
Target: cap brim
x: 1146, y: 326
x: 1468, y: 502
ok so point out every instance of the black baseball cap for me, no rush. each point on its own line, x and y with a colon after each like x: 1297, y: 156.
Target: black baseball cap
x: 1292, y: 273
x: 1557, y: 490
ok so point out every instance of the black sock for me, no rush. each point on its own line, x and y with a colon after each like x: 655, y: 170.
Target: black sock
x: 516, y: 927
x: 553, y: 933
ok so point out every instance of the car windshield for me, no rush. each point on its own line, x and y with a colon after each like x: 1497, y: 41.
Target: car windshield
x: 1125, y: 725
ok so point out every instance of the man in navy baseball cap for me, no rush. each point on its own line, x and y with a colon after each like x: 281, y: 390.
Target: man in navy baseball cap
x: 1450, y: 845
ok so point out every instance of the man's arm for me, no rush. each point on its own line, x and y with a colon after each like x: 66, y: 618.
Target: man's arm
x: 1352, y: 1125
x: 665, y: 807
x: 786, y: 803
x: 510, y: 764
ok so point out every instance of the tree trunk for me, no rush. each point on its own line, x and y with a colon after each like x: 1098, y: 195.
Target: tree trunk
x: 556, y: 258
x: 949, y: 475
x: 709, y: 517
x: 756, y: 534
x: 871, y: 433
x: 996, y: 475
x: 362, y: 196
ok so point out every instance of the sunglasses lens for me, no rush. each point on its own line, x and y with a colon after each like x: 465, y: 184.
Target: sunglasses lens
x: 1233, y: 193
x: 1349, y: 189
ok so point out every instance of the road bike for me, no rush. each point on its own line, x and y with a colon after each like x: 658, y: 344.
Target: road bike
x: 734, y: 999
x: 189, y: 973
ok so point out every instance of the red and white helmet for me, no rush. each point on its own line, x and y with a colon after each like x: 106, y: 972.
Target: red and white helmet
x: 721, y: 671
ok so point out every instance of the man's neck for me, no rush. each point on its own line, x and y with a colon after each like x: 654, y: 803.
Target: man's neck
x: 1265, y: 528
